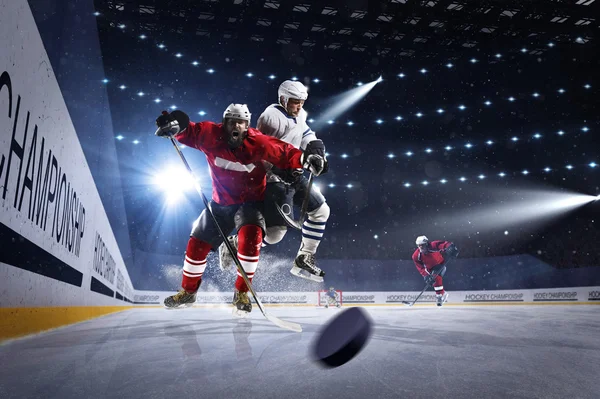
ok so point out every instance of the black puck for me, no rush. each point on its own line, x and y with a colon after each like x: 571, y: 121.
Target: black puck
x: 343, y: 337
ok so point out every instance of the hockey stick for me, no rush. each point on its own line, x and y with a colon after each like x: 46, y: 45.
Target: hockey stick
x: 409, y: 304
x: 291, y: 222
x: 288, y: 325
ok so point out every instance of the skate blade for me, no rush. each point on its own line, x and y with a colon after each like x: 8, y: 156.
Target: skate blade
x: 183, y: 306
x: 444, y: 300
x: 296, y: 271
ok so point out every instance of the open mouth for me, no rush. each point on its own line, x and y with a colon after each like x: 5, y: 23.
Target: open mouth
x: 235, y: 134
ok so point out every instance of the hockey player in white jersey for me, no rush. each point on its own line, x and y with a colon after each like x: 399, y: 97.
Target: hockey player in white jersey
x: 286, y: 121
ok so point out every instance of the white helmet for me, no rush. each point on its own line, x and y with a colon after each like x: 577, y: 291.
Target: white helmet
x: 291, y: 89
x: 422, y: 240
x: 238, y: 111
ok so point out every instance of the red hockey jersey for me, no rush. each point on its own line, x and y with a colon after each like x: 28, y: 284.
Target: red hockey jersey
x: 238, y: 175
x: 430, y: 259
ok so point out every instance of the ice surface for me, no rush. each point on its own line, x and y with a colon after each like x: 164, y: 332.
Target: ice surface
x: 452, y: 352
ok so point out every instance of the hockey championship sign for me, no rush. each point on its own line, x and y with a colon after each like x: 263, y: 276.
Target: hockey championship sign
x: 55, y: 237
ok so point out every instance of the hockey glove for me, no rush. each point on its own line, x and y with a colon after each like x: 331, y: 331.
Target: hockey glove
x: 326, y: 167
x: 314, y: 163
x: 450, y: 252
x: 171, y: 123
x: 315, y: 147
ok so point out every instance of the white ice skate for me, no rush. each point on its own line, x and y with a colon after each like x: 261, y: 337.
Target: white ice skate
x: 441, y: 299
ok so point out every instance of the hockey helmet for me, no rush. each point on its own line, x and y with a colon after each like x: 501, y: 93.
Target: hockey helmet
x: 422, y: 240
x: 238, y: 111
x: 291, y: 89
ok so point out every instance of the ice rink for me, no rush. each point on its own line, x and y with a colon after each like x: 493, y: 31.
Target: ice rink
x: 421, y: 352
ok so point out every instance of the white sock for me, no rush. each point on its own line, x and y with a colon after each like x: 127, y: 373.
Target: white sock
x: 313, y: 229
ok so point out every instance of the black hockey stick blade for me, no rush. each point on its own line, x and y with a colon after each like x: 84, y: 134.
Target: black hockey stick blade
x: 290, y: 222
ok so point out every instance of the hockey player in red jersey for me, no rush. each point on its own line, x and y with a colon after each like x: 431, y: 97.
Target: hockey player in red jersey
x: 235, y: 153
x: 430, y: 259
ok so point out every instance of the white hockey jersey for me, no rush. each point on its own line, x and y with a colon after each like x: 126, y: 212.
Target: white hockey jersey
x: 275, y: 121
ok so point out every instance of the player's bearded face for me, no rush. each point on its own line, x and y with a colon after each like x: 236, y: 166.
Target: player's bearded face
x: 294, y: 106
x: 236, y: 130
x: 423, y: 248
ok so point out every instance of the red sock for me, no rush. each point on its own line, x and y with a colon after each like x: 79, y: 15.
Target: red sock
x: 438, y: 286
x: 194, y: 264
x: 249, y: 243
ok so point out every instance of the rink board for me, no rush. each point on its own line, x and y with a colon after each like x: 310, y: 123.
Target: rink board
x: 578, y: 295
x: 59, y: 259
x: 20, y: 321
x: 53, y: 226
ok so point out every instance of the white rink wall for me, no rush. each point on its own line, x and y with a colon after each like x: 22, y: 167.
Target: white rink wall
x: 57, y: 248
x: 587, y: 295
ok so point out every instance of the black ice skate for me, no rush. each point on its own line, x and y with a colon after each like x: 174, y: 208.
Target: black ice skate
x: 440, y: 299
x: 305, y: 266
x: 182, y: 299
x: 225, y: 259
x: 337, y: 305
x: 242, y: 304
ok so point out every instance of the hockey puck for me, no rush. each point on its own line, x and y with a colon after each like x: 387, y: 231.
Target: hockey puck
x: 342, y: 338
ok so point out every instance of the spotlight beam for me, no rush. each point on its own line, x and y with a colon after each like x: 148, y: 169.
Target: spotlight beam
x: 527, y: 208
x: 343, y: 102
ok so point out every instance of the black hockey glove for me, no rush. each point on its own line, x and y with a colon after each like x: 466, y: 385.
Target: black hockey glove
x: 450, y: 253
x: 315, y: 147
x: 171, y: 123
x: 314, y: 163
x: 429, y: 279
x: 325, y: 167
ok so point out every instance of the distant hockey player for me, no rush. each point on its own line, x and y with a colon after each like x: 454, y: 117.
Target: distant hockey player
x: 286, y: 121
x: 332, y: 298
x: 235, y: 155
x: 430, y: 259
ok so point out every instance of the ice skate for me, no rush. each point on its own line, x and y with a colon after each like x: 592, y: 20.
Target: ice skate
x: 241, y: 303
x: 440, y: 299
x: 225, y: 259
x: 182, y: 299
x: 332, y: 302
x: 305, y: 267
